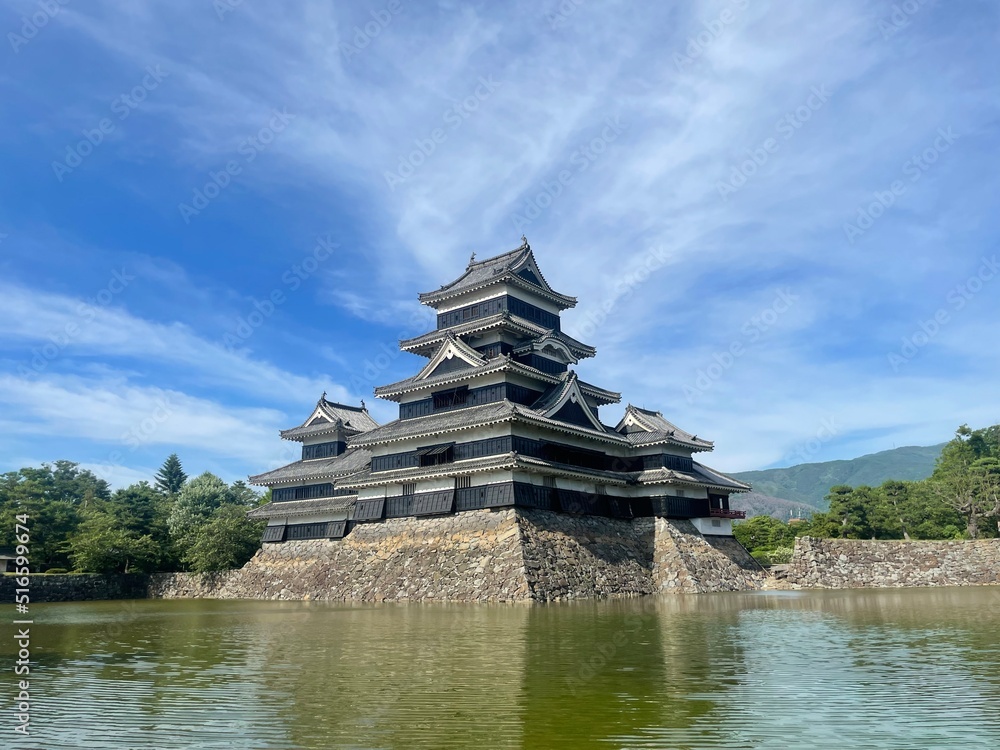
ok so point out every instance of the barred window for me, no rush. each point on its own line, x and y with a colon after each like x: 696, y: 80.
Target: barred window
x: 462, y: 483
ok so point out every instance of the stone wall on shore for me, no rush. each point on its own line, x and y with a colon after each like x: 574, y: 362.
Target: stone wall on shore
x: 474, y: 556
x: 852, y: 563
x: 687, y: 562
x: 586, y: 557
x: 502, y: 555
x: 75, y: 587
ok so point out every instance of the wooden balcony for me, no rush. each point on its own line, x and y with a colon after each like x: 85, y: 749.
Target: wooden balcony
x: 721, y: 513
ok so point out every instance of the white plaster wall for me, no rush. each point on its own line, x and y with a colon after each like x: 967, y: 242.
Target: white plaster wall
x: 717, y: 526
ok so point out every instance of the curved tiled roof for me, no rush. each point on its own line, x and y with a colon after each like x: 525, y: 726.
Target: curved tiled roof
x: 700, y: 476
x: 654, y: 429
x: 347, y: 463
x: 302, y: 507
x: 500, y: 320
x: 499, y: 268
x: 329, y: 416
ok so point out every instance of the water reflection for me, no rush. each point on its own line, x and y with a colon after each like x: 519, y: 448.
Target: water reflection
x: 879, y: 669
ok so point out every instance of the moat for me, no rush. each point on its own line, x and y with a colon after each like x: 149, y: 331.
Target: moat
x: 915, y: 668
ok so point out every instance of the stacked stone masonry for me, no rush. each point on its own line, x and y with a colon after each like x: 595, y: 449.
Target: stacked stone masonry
x: 75, y: 587
x: 504, y: 555
x: 850, y: 563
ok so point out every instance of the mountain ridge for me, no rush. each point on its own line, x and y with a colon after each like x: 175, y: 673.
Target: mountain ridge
x: 785, y: 490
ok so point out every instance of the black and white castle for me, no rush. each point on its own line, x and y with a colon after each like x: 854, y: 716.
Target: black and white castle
x: 496, y: 418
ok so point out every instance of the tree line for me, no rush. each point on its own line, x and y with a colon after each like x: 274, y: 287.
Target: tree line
x: 960, y: 500
x: 78, y: 524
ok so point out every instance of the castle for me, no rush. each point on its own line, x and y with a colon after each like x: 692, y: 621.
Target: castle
x: 496, y: 418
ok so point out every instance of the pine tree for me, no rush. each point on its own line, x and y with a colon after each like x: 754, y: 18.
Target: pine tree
x: 171, y: 477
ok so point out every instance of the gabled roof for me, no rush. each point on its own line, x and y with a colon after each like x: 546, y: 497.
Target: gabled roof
x: 646, y: 427
x: 329, y: 416
x: 517, y: 268
x: 452, y: 348
x: 550, y: 344
x: 428, y: 342
x: 327, y: 469
x: 562, y: 397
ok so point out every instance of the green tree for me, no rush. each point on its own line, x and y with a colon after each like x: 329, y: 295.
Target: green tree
x: 103, y: 545
x: 196, y: 501
x: 849, y: 507
x: 125, y: 533
x: 967, y: 475
x: 194, y: 510
x: 763, y: 533
x: 227, y: 540
x: 53, y: 498
x: 171, y: 477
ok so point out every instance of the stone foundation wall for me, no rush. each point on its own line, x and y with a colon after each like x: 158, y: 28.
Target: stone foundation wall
x: 685, y: 562
x: 504, y: 555
x: 75, y: 588
x: 585, y: 557
x: 850, y: 563
x: 473, y: 556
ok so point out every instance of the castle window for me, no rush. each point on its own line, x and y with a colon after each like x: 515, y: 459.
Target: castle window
x: 451, y: 397
x: 438, y: 454
x: 410, y: 488
x: 462, y: 483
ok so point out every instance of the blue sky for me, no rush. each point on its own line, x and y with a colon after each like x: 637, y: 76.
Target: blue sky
x: 780, y: 219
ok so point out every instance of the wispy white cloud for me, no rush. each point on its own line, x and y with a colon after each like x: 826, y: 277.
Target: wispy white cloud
x: 534, y: 144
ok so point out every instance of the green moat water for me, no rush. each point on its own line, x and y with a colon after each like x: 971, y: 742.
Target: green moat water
x: 914, y: 669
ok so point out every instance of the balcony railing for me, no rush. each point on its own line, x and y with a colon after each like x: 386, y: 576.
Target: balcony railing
x: 721, y: 513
